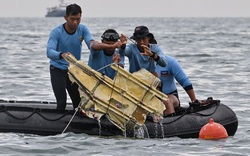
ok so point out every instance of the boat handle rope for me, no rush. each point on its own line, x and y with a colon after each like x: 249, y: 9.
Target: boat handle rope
x: 187, y: 111
x: 16, y: 101
x: 200, y: 114
x: 34, y: 112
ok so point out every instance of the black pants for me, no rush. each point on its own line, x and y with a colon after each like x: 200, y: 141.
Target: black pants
x: 60, y: 82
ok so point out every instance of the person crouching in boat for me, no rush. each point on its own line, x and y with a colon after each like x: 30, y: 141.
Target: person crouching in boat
x: 168, y: 74
x: 104, y: 53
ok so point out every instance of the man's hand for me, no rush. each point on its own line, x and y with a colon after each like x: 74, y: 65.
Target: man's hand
x: 117, y: 44
x: 123, y: 39
x: 116, y: 58
x: 64, y: 55
x: 147, y: 51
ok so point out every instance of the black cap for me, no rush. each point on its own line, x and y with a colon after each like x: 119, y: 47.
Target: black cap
x: 141, y: 32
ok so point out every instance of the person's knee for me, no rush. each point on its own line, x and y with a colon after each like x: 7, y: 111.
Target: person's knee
x: 174, y: 101
x: 169, y: 107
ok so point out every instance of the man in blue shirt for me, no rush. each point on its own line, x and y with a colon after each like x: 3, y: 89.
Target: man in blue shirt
x: 63, y: 40
x: 143, y: 54
x: 103, y: 54
x: 168, y: 74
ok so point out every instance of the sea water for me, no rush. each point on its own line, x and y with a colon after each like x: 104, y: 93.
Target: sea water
x: 214, y: 53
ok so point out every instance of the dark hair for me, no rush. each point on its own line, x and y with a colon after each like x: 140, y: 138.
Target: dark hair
x: 152, y: 39
x: 110, y: 35
x: 73, y: 9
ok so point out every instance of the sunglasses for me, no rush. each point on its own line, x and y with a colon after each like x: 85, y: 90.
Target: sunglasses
x: 111, y: 36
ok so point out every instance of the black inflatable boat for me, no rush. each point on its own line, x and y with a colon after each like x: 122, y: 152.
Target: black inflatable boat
x: 37, y: 117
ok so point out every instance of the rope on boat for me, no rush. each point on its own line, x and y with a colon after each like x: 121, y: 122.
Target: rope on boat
x: 34, y: 112
x: 76, y: 110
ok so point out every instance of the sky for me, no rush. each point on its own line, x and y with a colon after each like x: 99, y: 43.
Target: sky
x: 132, y: 8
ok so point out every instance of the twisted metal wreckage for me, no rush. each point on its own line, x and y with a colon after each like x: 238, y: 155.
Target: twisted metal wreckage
x: 126, y: 100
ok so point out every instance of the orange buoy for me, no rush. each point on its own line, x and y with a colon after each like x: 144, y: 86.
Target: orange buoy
x: 213, y: 130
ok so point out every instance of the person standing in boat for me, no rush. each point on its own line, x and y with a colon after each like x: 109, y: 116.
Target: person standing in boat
x: 103, y: 53
x: 168, y: 74
x: 63, y: 40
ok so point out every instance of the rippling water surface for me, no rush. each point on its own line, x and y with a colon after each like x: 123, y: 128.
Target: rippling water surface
x: 214, y: 52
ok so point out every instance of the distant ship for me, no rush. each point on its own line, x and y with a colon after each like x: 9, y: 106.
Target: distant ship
x: 57, y: 11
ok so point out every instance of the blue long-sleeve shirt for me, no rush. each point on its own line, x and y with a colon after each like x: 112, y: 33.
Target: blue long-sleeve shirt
x: 61, y: 41
x: 98, y: 59
x: 138, y: 61
x: 169, y: 73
